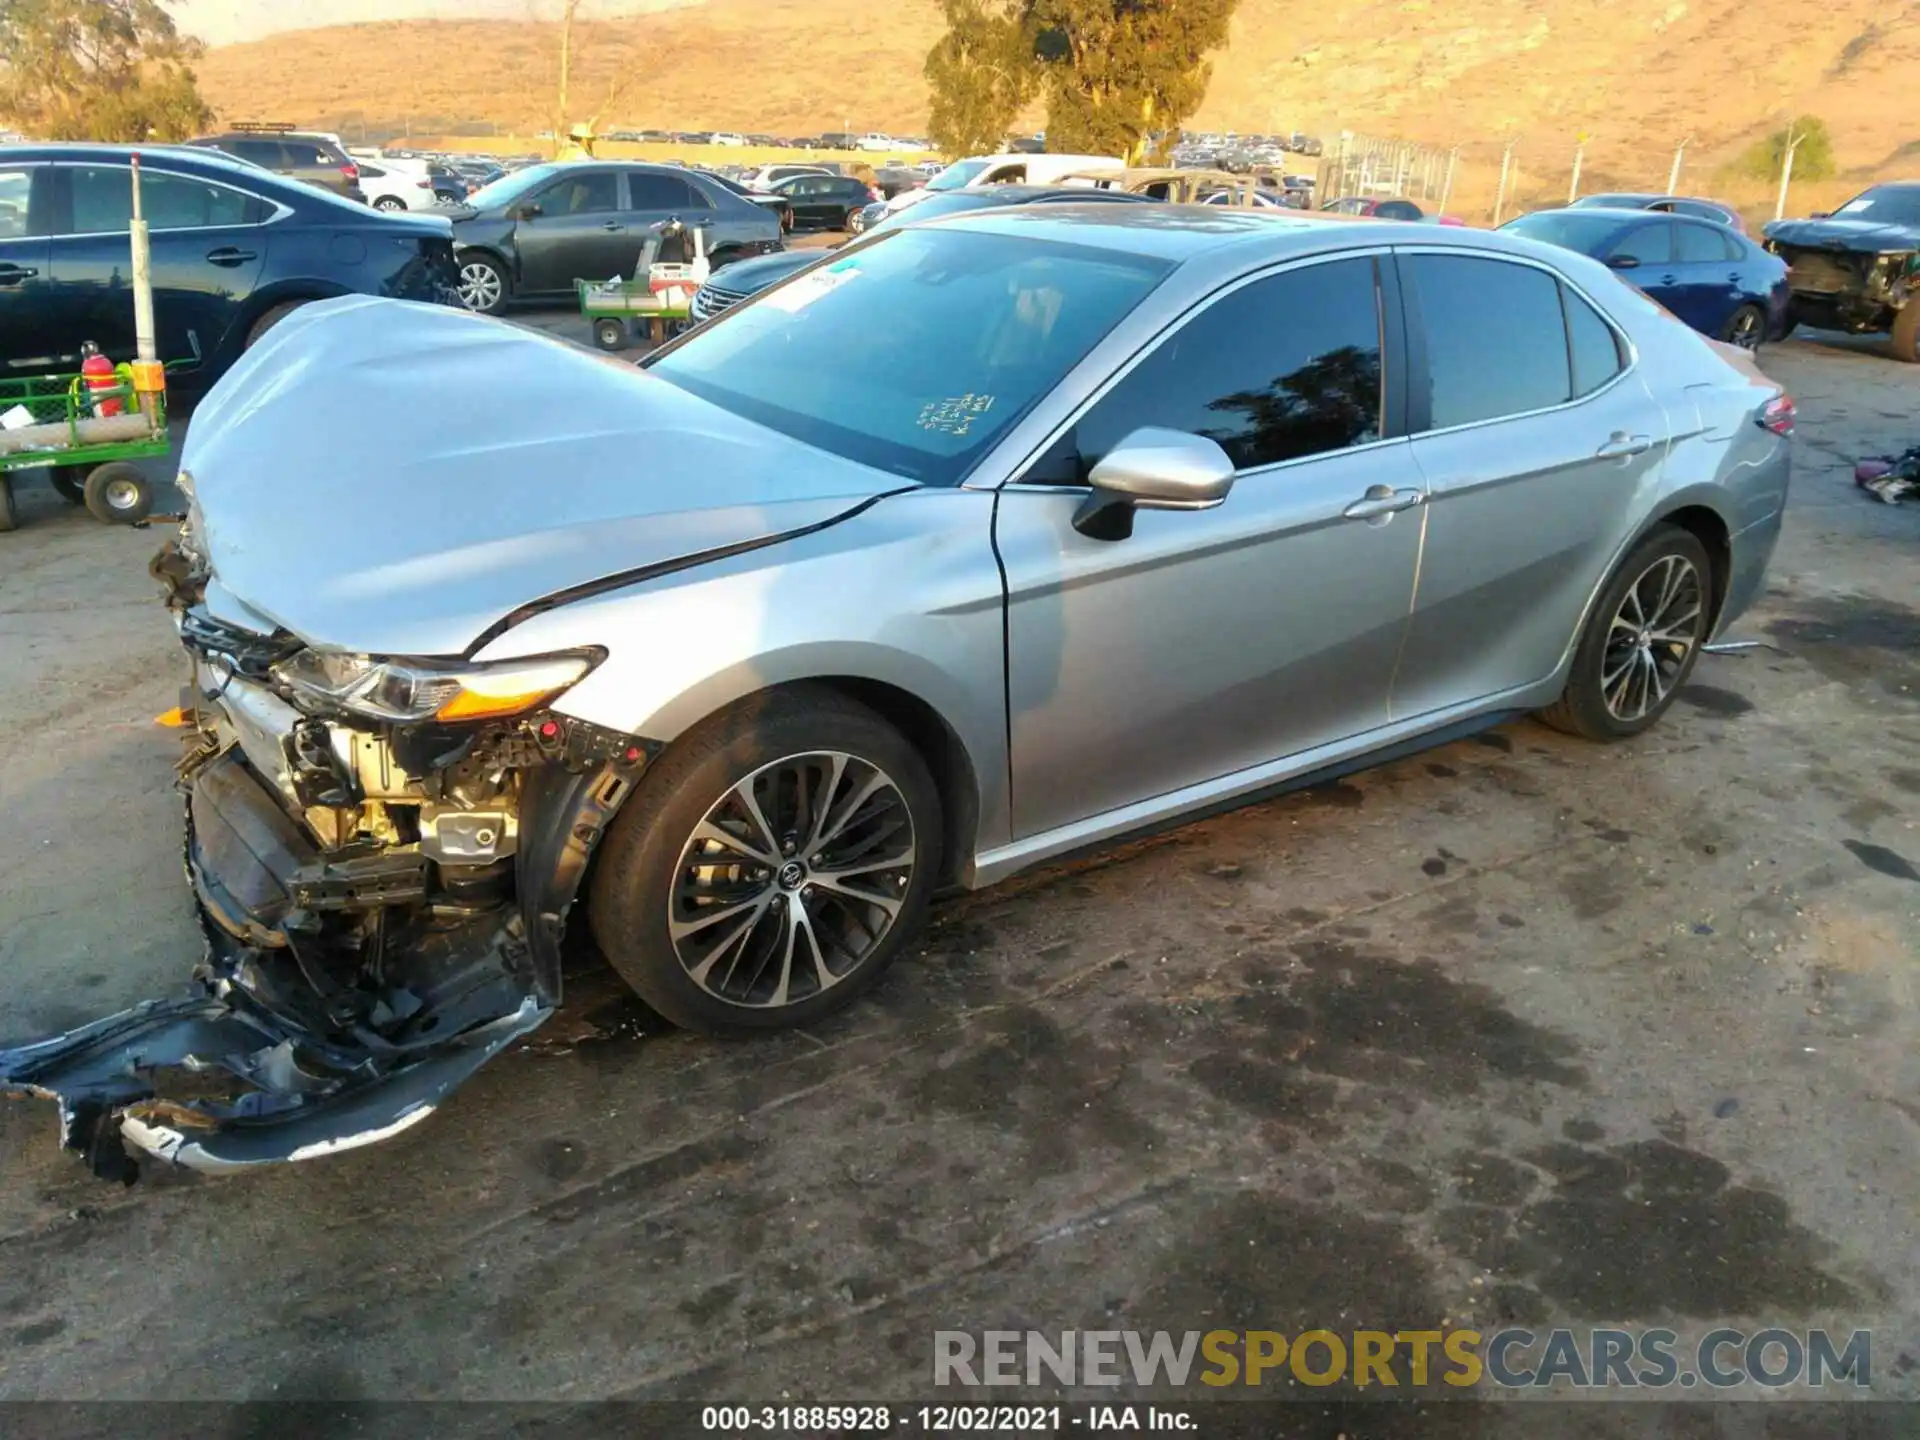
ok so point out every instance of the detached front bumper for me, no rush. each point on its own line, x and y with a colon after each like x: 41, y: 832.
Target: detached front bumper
x: 347, y: 988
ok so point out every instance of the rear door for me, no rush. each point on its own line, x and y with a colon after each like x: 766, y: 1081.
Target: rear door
x: 207, y: 243
x: 1536, y: 441
x: 29, y: 305
x: 654, y: 199
x: 578, y: 234
x: 808, y: 195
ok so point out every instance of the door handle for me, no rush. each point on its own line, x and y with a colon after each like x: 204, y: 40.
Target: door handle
x: 228, y: 256
x: 1380, y: 500
x: 1669, y: 279
x: 611, y: 225
x: 1622, y: 446
x: 14, y: 274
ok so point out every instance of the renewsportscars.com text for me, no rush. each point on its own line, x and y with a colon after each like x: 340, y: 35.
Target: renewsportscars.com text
x: 1511, y: 1358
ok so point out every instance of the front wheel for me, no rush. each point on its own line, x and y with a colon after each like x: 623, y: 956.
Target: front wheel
x: 1905, y: 341
x: 1746, y: 327
x: 610, y: 334
x: 771, y: 866
x: 483, y: 285
x: 118, y: 493
x: 389, y: 203
x: 1641, y: 641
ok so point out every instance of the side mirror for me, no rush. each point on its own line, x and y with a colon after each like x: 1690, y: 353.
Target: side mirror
x: 527, y: 211
x: 1152, y: 469
x: 1623, y: 262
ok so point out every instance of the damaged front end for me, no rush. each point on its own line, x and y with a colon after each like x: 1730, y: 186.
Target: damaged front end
x: 384, y: 854
x: 1844, y: 289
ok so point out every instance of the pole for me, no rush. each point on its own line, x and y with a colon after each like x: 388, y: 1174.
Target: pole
x: 1673, y: 175
x: 1446, y: 190
x: 1506, y: 170
x: 144, y: 348
x: 1786, y: 173
x: 1579, y: 154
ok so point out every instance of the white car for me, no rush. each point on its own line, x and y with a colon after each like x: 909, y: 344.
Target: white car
x: 396, y: 184
x: 726, y: 137
x: 873, y: 140
x: 767, y: 176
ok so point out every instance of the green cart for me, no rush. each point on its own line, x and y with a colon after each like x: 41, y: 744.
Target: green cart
x: 85, y: 438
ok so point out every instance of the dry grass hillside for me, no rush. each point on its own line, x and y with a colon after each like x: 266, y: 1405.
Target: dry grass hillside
x: 1636, y: 75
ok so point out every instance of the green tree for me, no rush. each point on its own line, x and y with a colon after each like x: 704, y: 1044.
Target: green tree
x: 97, y: 70
x: 982, y: 72
x: 1115, y: 73
x: 1118, y: 72
x: 1812, y: 156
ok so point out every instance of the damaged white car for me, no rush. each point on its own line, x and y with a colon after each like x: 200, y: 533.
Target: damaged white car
x: 1125, y: 514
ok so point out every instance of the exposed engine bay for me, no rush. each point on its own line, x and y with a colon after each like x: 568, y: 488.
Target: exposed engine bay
x: 1850, y: 290
x: 383, y: 899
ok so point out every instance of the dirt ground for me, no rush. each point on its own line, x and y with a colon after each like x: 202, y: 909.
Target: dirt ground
x: 1520, y: 1030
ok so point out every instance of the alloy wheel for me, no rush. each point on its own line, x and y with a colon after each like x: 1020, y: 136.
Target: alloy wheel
x: 791, y: 879
x: 1652, y: 637
x: 479, y: 286
x: 1745, y: 331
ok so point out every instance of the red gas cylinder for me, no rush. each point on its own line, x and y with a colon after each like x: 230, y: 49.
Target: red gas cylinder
x: 98, y: 372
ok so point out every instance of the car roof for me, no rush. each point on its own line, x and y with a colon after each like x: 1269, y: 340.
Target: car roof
x: 193, y: 157
x: 1179, y: 233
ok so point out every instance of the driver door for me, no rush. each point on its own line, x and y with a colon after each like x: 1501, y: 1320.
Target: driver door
x: 1209, y: 642
x: 578, y: 234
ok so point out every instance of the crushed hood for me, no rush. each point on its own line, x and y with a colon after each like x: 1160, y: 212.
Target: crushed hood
x: 1864, y: 236
x: 395, y: 478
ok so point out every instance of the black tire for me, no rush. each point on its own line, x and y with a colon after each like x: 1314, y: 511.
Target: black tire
x: 610, y: 334
x: 1746, y: 327
x: 722, y: 257
x: 1905, y: 339
x: 268, y: 319
x: 70, y: 482
x: 641, y: 882
x: 1583, y: 708
x: 389, y: 203
x: 852, y: 223
x: 118, y: 493
x: 479, y: 295
x: 9, y: 517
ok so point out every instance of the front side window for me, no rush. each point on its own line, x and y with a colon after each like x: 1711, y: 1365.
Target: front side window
x: 1645, y: 244
x: 1495, y: 337
x: 1280, y: 369
x: 103, y: 201
x: 587, y: 193
x: 16, y: 191
x: 979, y: 327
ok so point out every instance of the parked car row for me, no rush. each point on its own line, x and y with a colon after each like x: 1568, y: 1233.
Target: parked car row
x: 830, y: 140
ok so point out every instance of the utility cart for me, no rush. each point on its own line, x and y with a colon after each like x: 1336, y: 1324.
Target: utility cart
x: 673, y: 264
x: 87, y: 429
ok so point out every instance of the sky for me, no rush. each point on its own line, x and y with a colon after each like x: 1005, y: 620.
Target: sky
x: 221, y: 22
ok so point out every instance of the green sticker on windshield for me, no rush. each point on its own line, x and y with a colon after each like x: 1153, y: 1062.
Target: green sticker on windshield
x: 955, y: 416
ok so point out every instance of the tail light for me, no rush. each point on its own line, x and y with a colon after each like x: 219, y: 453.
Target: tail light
x: 873, y: 193
x: 423, y: 184
x: 350, y: 173
x: 1779, y: 415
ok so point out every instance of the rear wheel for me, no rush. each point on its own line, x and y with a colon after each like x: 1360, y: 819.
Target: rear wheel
x: 771, y: 866
x: 270, y: 319
x: 1906, y: 333
x: 9, y: 517
x: 610, y: 334
x: 1746, y: 327
x: 1640, y: 642
x: 71, y: 483
x: 389, y: 202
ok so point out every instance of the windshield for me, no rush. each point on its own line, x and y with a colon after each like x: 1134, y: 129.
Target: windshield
x: 509, y: 188
x: 1589, y: 234
x: 957, y: 174
x: 1885, y: 205
x: 917, y: 352
x: 934, y: 206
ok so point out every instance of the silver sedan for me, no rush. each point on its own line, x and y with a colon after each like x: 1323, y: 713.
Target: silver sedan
x: 989, y: 540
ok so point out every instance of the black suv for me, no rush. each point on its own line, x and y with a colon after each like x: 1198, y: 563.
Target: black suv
x: 315, y: 159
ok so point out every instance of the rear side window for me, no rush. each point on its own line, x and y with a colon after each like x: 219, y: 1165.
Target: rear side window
x: 1592, y: 345
x: 662, y: 192
x: 1495, y: 339
x: 307, y: 154
x: 103, y: 201
x: 1698, y: 243
x: 1280, y: 369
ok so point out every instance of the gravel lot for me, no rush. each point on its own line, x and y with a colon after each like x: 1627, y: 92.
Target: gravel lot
x: 1518, y: 1030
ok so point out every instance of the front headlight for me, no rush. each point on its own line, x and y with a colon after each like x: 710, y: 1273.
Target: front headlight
x: 413, y: 690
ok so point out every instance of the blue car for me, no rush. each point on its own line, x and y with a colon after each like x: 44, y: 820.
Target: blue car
x: 235, y: 248
x: 1712, y: 277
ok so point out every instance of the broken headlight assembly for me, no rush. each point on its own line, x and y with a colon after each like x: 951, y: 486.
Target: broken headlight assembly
x: 408, y: 691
